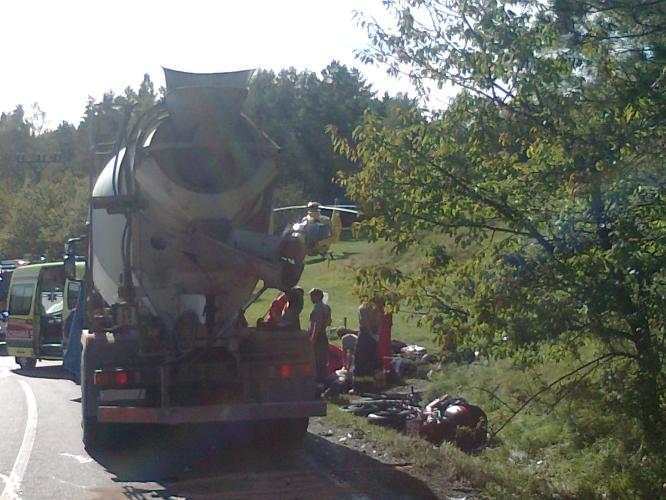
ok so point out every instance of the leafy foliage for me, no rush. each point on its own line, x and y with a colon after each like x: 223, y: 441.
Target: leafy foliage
x: 295, y: 108
x: 547, y: 168
x: 44, y: 215
x: 574, y: 441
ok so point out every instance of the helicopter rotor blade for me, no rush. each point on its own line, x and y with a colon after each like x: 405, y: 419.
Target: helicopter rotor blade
x: 295, y: 207
x: 339, y: 208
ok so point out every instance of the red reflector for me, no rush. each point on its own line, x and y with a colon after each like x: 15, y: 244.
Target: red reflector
x: 115, y: 378
x: 286, y: 371
x: 307, y: 369
x: 100, y: 378
x: 121, y: 378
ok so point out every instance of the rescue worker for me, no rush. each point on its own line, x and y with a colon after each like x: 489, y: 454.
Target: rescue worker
x: 320, y: 319
x: 367, y: 365
x: 348, y: 339
x: 291, y: 315
x: 284, y: 311
x: 275, y: 311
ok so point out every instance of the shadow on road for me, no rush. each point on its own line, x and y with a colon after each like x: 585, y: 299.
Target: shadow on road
x: 222, y: 462
x: 51, y: 371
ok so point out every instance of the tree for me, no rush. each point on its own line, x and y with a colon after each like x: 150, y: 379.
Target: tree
x: 547, y: 170
x: 295, y: 109
x: 43, y: 216
x: 45, y: 172
x: 15, y: 137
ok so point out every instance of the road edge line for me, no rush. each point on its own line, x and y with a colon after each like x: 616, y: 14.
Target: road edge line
x: 13, y: 482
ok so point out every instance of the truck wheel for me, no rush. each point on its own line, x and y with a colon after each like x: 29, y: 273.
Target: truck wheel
x: 94, y: 434
x: 26, y: 363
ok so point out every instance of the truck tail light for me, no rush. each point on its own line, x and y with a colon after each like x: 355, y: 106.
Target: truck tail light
x: 289, y: 370
x: 116, y: 378
x: 286, y: 371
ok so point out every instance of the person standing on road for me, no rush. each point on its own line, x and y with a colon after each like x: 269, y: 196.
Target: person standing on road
x: 320, y: 319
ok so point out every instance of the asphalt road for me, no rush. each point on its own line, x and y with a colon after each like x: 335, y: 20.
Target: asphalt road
x: 42, y: 455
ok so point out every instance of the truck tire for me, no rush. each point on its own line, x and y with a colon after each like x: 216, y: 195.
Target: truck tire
x: 95, y: 435
x: 26, y: 363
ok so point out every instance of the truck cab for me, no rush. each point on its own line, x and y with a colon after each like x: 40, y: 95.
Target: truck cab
x: 39, y: 300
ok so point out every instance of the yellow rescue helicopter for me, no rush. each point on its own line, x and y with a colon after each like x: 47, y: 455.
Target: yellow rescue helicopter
x: 318, y: 230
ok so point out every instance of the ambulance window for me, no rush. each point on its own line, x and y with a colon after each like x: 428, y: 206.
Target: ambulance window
x: 73, y: 288
x: 20, y: 300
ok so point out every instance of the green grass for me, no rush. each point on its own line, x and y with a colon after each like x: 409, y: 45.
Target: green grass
x: 580, y: 447
x: 336, y: 277
x: 446, y: 462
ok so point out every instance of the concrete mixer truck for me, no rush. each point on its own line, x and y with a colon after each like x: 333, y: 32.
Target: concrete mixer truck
x: 177, y: 247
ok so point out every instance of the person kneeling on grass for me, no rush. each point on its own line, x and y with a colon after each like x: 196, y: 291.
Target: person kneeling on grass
x: 348, y: 338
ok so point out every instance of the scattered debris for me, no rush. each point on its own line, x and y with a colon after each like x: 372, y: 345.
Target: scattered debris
x: 444, y: 419
x: 456, y: 421
x: 414, y: 351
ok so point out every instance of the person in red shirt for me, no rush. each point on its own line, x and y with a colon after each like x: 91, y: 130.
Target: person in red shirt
x: 275, y: 311
x: 284, y: 311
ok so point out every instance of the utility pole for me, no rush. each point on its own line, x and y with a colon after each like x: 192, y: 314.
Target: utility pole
x: 38, y: 159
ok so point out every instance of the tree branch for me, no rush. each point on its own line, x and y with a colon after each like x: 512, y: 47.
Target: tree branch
x: 550, y: 386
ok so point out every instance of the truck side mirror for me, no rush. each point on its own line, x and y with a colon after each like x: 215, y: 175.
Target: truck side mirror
x: 70, y: 257
x: 70, y: 267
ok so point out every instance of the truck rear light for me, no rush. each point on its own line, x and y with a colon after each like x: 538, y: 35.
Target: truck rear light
x: 295, y: 370
x: 116, y: 378
x: 286, y: 371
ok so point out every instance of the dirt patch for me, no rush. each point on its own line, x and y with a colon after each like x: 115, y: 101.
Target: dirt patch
x: 358, y: 440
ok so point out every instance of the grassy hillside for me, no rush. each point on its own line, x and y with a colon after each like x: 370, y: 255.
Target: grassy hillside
x: 571, y: 442
x: 336, y: 277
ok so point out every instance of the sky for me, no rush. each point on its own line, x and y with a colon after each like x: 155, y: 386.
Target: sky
x: 57, y: 53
